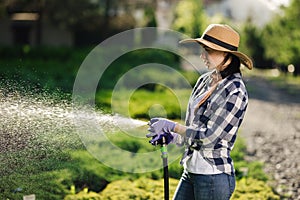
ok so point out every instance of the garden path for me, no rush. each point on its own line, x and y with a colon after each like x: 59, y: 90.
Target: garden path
x: 271, y: 129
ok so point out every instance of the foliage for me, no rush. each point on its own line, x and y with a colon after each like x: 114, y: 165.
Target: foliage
x: 190, y: 18
x: 83, y: 195
x: 164, y: 103
x: 132, y: 144
x: 135, y: 59
x: 76, y: 16
x: 34, y: 176
x: 253, y: 189
x: 282, y: 37
x: 250, y: 185
x: 51, y: 171
x: 140, y: 189
x: 150, y: 20
x: 56, y: 68
x: 169, y: 105
x: 45, y: 185
x: 144, y: 188
x: 150, y: 99
x: 252, y: 45
x: 52, y: 176
x: 141, y: 145
x: 50, y: 68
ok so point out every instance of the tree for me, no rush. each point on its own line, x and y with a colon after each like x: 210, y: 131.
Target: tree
x: 282, y: 37
x: 252, y: 45
x: 190, y: 17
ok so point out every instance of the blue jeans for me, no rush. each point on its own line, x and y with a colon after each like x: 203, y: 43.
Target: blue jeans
x: 205, y: 187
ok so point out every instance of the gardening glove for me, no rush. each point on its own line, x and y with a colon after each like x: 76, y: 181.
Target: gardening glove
x: 160, y: 128
x: 159, y: 125
x: 158, y: 139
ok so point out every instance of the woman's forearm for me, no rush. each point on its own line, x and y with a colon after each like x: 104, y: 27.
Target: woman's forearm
x: 180, y: 129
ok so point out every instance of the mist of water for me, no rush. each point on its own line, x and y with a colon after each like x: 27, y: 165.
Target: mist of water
x: 36, y: 125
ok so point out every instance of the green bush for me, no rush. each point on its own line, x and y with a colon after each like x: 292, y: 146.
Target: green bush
x: 84, y: 195
x: 253, y: 189
x: 130, y: 143
x: 144, y: 104
x: 145, y: 189
x: 54, y: 175
x: 140, y: 189
x: 133, y: 59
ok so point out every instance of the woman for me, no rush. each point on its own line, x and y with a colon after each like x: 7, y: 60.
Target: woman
x: 215, y: 111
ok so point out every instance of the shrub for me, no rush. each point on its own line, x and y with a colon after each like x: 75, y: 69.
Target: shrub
x: 148, y: 189
x: 83, y: 195
x: 134, y: 59
x: 141, y: 189
x: 253, y: 189
x: 143, y: 104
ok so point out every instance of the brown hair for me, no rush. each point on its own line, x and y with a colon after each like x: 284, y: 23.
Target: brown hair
x: 233, y: 67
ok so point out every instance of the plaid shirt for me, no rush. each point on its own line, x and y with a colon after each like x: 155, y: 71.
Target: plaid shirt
x: 213, y: 127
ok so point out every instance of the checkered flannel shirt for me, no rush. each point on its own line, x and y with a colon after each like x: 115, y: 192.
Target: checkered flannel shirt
x: 212, y: 129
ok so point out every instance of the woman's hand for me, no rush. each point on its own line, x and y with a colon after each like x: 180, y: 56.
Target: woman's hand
x: 160, y: 128
x: 158, y: 125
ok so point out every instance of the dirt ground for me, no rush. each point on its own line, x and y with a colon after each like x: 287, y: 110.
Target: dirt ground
x: 272, y: 131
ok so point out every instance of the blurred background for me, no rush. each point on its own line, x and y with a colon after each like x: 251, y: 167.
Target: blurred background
x: 44, y: 42
x: 265, y: 25
x: 46, y: 31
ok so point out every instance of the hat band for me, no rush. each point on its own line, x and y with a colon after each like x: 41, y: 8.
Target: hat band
x: 220, y: 43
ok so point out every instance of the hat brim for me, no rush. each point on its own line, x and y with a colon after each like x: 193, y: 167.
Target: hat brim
x: 245, y: 60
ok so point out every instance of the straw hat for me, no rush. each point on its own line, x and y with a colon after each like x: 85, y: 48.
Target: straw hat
x: 222, y: 38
